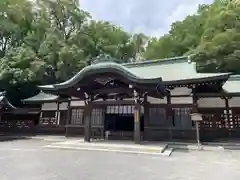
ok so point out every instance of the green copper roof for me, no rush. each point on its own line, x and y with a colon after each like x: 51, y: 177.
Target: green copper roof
x: 232, y: 85
x: 171, y: 70
x: 41, y: 97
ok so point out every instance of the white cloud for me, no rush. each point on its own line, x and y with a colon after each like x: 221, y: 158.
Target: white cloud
x: 152, y: 17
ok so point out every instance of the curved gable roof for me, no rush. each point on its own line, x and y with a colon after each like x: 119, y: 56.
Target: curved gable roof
x: 175, y: 70
x: 104, y: 67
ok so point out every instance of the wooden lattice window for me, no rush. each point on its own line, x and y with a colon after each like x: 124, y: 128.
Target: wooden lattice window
x: 125, y: 109
x: 77, y: 117
x: 182, y: 118
x: 157, y: 117
x: 97, y: 116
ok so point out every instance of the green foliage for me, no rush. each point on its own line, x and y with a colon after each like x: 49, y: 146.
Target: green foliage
x: 211, y: 36
x: 47, y: 41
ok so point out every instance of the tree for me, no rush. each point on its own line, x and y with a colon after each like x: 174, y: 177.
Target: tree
x: 220, y: 41
x: 47, y: 41
x: 101, y: 37
x: 211, y: 36
x: 163, y: 47
x: 15, y: 22
x: 139, y: 42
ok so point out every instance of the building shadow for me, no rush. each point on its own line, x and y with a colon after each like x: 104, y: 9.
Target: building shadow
x: 4, y: 138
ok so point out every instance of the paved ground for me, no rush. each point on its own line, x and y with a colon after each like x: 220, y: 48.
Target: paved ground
x: 27, y: 159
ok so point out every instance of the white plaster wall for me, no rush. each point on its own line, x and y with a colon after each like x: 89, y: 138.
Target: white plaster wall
x: 153, y: 100
x: 49, y: 106
x: 77, y: 103
x: 181, y: 91
x: 53, y: 106
x: 211, y: 102
x: 63, y: 106
x: 234, y: 102
x: 181, y: 100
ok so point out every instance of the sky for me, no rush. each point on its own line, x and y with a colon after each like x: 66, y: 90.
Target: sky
x: 152, y: 17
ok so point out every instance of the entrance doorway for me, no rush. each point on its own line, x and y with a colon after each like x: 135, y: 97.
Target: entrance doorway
x: 119, y: 121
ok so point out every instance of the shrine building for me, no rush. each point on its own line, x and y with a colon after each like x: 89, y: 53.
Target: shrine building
x: 141, y: 101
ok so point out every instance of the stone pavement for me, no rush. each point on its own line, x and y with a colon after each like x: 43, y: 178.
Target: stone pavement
x: 29, y: 160
x: 114, y: 146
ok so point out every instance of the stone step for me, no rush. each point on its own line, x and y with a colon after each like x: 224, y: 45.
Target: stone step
x: 139, y: 149
x: 125, y: 148
x: 134, y: 151
x: 168, y: 152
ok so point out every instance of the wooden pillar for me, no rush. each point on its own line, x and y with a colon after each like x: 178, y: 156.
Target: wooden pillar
x: 137, y: 130
x: 40, y: 116
x: 146, y: 111
x: 57, y: 115
x: 195, y: 99
x: 87, y: 118
x: 137, y: 112
x: 228, y: 115
x: 169, y: 115
x: 227, y: 108
x: 103, y: 122
x: 87, y: 123
x: 195, y: 110
x: 146, y: 119
x: 2, y: 126
x: 69, y: 113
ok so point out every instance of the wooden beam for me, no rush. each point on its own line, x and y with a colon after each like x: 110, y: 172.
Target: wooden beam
x: 114, y: 102
x: 169, y: 114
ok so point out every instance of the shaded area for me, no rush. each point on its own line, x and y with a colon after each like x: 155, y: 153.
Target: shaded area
x: 13, y: 138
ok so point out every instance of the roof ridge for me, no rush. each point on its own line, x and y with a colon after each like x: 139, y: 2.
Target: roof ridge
x: 162, y: 61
